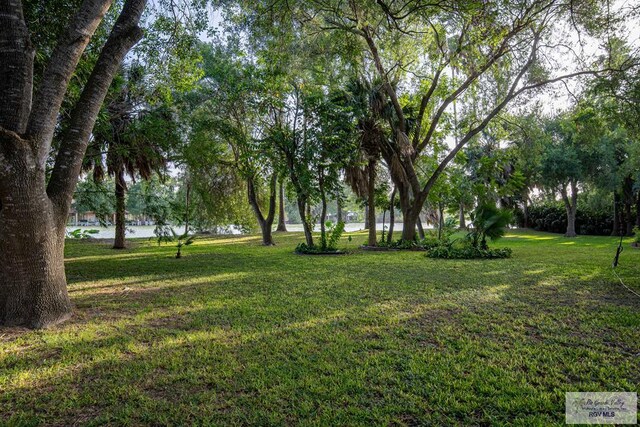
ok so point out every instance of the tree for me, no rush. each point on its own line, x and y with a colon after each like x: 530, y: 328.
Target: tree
x: 527, y: 143
x: 496, y: 48
x: 369, y: 105
x: 136, y: 138
x: 616, y: 96
x: 316, y: 141
x: 572, y: 156
x: 282, y: 223
x: 230, y: 115
x: 33, y: 210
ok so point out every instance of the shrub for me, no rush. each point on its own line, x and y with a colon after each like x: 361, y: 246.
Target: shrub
x: 303, y: 248
x: 328, y: 241
x: 552, y: 217
x: 334, y: 232
x: 636, y: 235
x: 466, y: 250
x: 416, y: 245
x: 448, y: 229
x: 488, y: 221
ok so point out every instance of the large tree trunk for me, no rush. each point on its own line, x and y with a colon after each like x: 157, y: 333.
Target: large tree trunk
x: 33, y: 214
x: 33, y: 289
x: 282, y: 226
x: 267, y: 235
x: 411, y: 208
x: 571, y: 209
x: 392, y: 215
x: 303, y: 206
x: 409, y: 221
x: 266, y: 224
x: 371, y: 203
x: 121, y: 188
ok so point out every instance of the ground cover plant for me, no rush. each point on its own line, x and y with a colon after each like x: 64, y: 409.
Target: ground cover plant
x: 240, y: 333
x: 329, y: 241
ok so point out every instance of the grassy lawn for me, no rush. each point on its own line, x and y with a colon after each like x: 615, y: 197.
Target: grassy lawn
x: 237, y: 333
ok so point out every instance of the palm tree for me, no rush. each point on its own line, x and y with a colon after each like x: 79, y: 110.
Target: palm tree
x: 369, y: 104
x: 129, y: 141
x: 488, y: 221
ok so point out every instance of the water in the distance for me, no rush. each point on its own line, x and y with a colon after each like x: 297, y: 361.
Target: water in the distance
x: 146, y: 231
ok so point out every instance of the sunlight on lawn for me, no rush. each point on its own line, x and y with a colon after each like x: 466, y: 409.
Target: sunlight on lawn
x: 531, y: 236
x: 236, y: 333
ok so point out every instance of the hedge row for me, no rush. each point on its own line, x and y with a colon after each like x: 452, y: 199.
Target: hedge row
x: 553, y: 218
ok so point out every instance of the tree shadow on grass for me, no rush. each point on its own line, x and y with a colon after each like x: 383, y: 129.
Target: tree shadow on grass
x: 243, y: 336
x: 450, y: 360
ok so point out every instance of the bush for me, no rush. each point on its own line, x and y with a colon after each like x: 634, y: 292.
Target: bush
x: 467, y: 251
x: 553, y: 218
x: 328, y: 241
x: 334, y: 232
x: 448, y: 229
x: 488, y: 221
x: 303, y: 248
x: 416, y: 245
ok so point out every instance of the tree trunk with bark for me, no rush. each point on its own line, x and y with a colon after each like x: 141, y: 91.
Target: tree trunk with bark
x: 616, y: 214
x: 33, y: 289
x: 339, y: 214
x: 571, y: 206
x: 392, y: 215
x: 371, y: 203
x: 628, y: 206
x: 323, y: 212
x: 410, y: 219
x: 306, y: 226
x: 420, y: 228
x: 187, y: 213
x: 120, y: 193
x: 629, y: 219
x: 282, y: 226
x: 265, y: 223
x: 33, y: 214
x: 402, y: 154
x: 462, y: 220
x: 366, y: 217
x: 638, y: 210
x: 440, y: 219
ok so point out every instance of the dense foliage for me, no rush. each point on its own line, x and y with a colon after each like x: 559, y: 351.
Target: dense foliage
x: 552, y: 217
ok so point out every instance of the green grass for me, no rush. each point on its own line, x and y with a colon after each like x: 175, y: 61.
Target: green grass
x: 237, y: 333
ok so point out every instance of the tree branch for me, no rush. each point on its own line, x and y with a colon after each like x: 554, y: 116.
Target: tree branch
x: 497, y: 109
x: 63, y: 62
x: 124, y: 35
x: 383, y: 75
x: 16, y: 67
